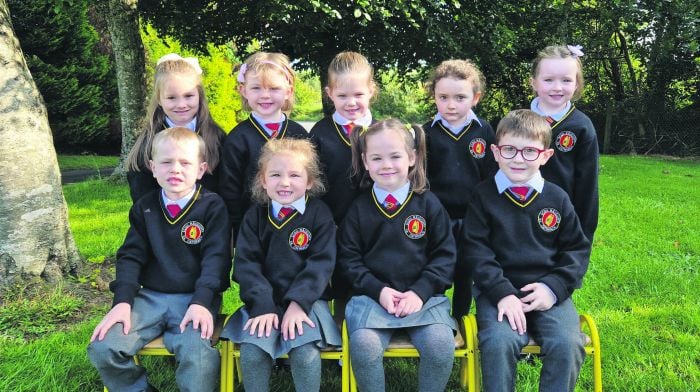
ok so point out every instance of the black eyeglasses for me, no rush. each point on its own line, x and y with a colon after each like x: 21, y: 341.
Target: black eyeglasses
x: 528, y: 153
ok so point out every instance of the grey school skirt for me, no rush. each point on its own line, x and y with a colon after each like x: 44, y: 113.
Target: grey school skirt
x: 364, y: 312
x: 325, y: 334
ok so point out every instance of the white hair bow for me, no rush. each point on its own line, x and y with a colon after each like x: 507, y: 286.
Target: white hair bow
x: 189, y: 60
x: 575, y: 50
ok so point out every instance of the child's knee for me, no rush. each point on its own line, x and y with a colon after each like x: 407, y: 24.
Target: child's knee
x: 500, y: 339
x: 366, y: 343
x: 305, y: 355
x: 562, y: 343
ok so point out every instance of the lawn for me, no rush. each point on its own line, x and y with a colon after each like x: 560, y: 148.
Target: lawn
x: 73, y: 162
x: 641, y: 289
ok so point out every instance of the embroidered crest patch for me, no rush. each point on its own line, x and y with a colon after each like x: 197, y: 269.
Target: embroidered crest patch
x: 549, y: 219
x: 300, y: 239
x: 191, y: 232
x: 414, y: 227
x: 565, y: 141
x: 477, y: 147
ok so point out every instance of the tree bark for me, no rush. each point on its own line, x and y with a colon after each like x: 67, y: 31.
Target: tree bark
x: 123, y: 24
x: 36, y: 239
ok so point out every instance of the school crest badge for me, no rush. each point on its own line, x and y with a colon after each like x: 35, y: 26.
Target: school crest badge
x: 414, y: 227
x: 300, y: 239
x: 565, y: 141
x: 549, y: 219
x: 477, y: 147
x: 191, y: 232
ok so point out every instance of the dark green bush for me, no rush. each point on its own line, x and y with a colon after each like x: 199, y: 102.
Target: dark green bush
x: 76, y: 81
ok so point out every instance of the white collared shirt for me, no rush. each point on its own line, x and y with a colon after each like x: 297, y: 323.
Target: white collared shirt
x: 400, y: 194
x: 192, y: 125
x: 470, y: 117
x: 365, y: 121
x: 503, y: 183
x: 180, y: 202
x: 263, y: 122
x: 535, y: 107
x: 298, y: 205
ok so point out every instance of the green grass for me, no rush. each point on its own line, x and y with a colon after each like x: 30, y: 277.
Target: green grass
x: 641, y: 289
x: 73, y: 162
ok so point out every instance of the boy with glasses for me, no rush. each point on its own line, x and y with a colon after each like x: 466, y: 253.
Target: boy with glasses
x: 527, y: 252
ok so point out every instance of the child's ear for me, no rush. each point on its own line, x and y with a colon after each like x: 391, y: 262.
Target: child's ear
x: 152, y: 165
x: 546, y: 154
x: 494, y: 150
x: 202, y: 169
x: 327, y: 90
x: 241, y: 90
x: 477, y: 97
x: 364, y: 161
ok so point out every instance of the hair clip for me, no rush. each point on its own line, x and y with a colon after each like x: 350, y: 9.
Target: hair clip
x: 575, y: 50
x: 174, y: 57
x: 241, y: 73
x: 410, y: 130
x: 363, y: 130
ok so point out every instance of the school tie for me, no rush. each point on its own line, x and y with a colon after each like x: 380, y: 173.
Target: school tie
x: 348, y: 127
x: 173, y: 209
x: 390, y: 202
x: 550, y: 120
x: 521, y: 191
x: 274, y: 127
x: 284, y: 211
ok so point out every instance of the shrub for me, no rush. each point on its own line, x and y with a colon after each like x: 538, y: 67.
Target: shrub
x: 76, y: 81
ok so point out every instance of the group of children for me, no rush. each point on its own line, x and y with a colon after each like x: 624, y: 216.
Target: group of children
x: 380, y: 216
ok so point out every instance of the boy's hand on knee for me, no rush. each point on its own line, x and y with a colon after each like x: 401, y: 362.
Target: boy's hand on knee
x: 294, y: 317
x: 120, y: 313
x: 411, y: 303
x: 512, y: 308
x: 541, y: 297
x: 201, y: 319
x: 263, y: 324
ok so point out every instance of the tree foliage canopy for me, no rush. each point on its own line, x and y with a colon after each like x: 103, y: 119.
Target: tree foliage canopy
x: 641, y: 56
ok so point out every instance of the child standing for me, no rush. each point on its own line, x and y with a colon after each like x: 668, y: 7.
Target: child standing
x: 178, y: 100
x: 458, y: 159
x: 396, y: 247
x: 284, y: 260
x: 351, y: 87
x: 525, y: 246
x: 557, y: 79
x: 266, y: 85
x: 171, y: 270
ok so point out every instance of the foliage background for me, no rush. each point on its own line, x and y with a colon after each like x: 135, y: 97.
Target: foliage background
x: 641, y: 63
x: 73, y: 72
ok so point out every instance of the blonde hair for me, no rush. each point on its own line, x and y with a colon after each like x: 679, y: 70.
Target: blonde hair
x: 456, y: 69
x: 263, y: 64
x: 179, y: 136
x: 526, y: 124
x: 560, y: 52
x: 140, y: 153
x: 351, y: 63
x: 301, y: 149
x: 413, y: 138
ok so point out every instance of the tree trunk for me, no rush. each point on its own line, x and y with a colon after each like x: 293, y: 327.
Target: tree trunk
x: 123, y: 24
x: 36, y: 238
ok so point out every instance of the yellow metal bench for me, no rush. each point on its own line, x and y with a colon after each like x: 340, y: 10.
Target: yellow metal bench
x: 234, y: 373
x: 592, y: 348
x: 400, y: 346
x: 156, y: 348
